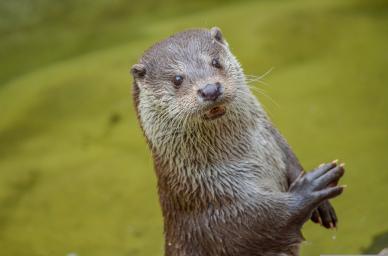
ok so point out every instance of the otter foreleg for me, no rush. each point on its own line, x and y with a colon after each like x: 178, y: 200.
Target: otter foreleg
x: 282, y: 215
x: 324, y: 213
x: 315, y: 187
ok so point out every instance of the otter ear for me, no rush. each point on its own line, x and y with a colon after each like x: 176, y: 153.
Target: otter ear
x: 217, y: 35
x: 138, y: 71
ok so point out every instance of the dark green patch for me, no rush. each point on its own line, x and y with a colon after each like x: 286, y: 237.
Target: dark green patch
x: 379, y: 242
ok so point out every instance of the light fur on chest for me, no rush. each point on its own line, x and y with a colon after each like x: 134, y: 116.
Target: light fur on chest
x: 226, y: 154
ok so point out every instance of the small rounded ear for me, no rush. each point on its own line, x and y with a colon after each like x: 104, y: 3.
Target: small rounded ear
x: 217, y: 35
x: 138, y: 71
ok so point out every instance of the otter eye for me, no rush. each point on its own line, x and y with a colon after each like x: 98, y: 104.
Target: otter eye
x: 178, y: 80
x: 216, y: 63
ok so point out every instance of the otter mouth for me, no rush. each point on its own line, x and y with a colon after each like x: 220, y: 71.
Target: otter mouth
x: 215, y: 112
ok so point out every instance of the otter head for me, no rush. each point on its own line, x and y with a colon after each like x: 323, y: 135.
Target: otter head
x: 188, y: 78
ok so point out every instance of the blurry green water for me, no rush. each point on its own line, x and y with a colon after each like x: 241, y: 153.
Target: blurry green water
x: 75, y: 173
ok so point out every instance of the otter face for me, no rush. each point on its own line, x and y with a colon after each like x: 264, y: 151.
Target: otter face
x: 191, y: 75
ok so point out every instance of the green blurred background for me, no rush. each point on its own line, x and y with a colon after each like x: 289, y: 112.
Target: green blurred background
x: 76, y: 176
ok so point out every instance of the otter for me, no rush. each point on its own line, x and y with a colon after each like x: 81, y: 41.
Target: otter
x: 228, y: 182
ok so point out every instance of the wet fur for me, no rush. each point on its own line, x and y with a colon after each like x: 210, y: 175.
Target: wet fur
x: 222, y: 183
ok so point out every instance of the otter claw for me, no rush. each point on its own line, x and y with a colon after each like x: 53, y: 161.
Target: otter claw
x: 325, y: 215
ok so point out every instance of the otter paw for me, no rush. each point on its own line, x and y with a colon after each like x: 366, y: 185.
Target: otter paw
x: 325, y: 215
x: 316, y: 186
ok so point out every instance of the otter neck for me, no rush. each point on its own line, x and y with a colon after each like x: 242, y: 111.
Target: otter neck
x: 203, y: 142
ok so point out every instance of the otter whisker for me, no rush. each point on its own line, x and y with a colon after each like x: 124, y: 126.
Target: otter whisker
x: 258, y: 81
x: 265, y: 94
x: 263, y: 75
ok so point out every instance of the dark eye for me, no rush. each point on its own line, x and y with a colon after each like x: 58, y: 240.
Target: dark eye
x: 216, y: 63
x: 177, y: 80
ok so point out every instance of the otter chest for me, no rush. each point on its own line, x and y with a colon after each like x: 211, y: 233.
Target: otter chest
x: 260, y: 168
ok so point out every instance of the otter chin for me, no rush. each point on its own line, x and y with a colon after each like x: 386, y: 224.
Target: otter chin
x: 215, y: 112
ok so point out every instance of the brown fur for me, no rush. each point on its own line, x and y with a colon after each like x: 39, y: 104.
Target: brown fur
x: 227, y: 186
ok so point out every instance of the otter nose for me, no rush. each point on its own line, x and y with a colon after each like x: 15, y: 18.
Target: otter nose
x: 210, y: 92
